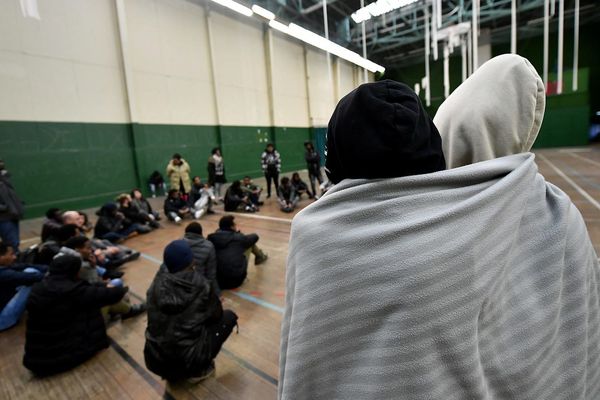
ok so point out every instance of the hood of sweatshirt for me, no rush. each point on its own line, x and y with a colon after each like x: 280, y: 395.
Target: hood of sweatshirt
x: 174, y: 292
x: 496, y: 112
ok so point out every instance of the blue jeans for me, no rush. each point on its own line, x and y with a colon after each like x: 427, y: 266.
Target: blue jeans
x: 9, y: 233
x: 12, y: 311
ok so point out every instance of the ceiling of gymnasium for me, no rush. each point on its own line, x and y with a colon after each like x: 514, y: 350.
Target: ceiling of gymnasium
x: 397, y: 38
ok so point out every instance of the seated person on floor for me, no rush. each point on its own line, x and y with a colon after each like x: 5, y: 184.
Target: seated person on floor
x: 112, y: 225
x: 65, y: 326
x: 236, y: 199
x: 233, y: 250
x: 139, y: 201
x: 84, y: 222
x: 252, y: 191
x: 134, y: 214
x: 81, y: 246
x: 51, y: 223
x: 186, y: 322
x: 47, y: 250
x: 286, y: 195
x: 107, y: 255
x: 175, y: 207
x: 201, y: 198
x: 300, y: 186
x: 205, y: 257
x: 15, y: 285
x: 157, y: 182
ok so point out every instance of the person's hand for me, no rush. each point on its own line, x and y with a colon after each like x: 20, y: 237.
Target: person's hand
x: 120, y: 215
x: 184, y: 210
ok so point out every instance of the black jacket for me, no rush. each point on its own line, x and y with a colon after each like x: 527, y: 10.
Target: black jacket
x: 205, y: 257
x: 64, y: 324
x: 107, y: 222
x: 180, y: 306
x: 232, y: 265
x: 11, y: 207
x: 174, y: 205
x: 233, y: 199
x: 313, y: 162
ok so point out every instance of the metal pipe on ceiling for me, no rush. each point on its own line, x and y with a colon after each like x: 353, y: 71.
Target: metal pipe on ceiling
x: 576, y: 46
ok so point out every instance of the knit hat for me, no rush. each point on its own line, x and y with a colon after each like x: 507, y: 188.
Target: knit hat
x: 381, y: 130
x: 178, y: 255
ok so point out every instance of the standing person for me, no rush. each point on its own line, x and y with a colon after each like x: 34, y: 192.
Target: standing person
x: 271, y: 166
x: 15, y: 285
x: 178, y: 171
x: 216, y: 172
x: 187, y: 325
x: 233, y: 252
x: 313, y: 165
x: 11, y: 210
x: 64, y: 324
x: 286, y: 195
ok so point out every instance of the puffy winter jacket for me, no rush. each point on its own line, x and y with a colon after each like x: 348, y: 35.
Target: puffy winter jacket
x: 107, y: 222
x: 205, y: 257
x: 11, y: 207
x: 180, y: 306
x: 232, y: 265
x: 64, y: 324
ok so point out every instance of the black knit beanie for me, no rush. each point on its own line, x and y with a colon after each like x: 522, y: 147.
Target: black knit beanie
x: 380, y: 130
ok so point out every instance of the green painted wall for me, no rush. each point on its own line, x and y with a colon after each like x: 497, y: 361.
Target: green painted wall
x: 80, y: 165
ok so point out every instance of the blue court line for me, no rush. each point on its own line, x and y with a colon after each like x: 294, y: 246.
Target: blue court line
x: 243, y: 295
x: 258, y: 301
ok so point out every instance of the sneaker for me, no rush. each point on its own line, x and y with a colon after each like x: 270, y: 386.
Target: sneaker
x: 177, y: 220
x: 261, y: 259
x: 135, y: 310
x: 209, y: 211
x: 207, y: 373
x: 153, y: 196
x: 198, y: 214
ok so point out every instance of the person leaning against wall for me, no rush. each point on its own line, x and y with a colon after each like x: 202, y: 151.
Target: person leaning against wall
x: 178, y: 171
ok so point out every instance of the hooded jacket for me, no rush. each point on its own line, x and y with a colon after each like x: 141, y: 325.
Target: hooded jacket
x: 64, y: 323
x: 107, y: 221
x: 180, y: 306
x: 232, y: 265
x: 205, y: 258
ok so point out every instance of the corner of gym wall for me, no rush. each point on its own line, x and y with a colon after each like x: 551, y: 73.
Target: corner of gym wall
x: 63, y: 116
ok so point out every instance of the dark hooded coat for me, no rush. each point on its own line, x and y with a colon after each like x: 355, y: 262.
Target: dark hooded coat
x: 180, y: 306
x: 232, y: 265
x: 108, y: 221
x: 64, y: 324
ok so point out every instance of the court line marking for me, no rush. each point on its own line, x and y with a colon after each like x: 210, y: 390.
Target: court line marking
x: 570, y: 181
x: 258, y: 301
x: 596, y: 163
x: 151, y: 258
x: 153, y: 382
x: 251, y: 367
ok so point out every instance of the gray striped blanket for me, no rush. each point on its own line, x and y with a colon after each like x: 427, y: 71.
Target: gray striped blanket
x: 478, y: 282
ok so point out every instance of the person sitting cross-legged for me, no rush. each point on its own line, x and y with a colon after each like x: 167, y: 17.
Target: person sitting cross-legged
x: 187, y: 325
x: 64, y: 324
x: 205, y: 257
x: 134, y: 214
x: 286, y: 195
x: 15, y: 285
x: 201, y: 198
x: 175, y: 206
x: 236, y: 199
x: 252, y: 191
x: 300, y: 186
x: 233, y: 251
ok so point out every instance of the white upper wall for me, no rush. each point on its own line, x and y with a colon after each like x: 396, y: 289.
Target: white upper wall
x: 68, y: 67
x: 169, y: 55
x: 64, y: 67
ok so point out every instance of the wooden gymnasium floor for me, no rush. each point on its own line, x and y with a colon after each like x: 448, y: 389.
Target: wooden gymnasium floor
x: 247, y: 366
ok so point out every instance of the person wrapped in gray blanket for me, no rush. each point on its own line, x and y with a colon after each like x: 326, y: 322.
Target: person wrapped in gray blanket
x: 476, y: 282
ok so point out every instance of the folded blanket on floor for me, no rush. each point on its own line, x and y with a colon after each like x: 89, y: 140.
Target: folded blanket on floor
x: 478, y: 282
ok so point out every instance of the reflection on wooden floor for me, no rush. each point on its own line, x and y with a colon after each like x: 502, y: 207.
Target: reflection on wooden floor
x: 247, y: 366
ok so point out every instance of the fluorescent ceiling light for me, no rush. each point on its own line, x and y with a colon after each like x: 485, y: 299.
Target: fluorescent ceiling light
x: 263, y: 12
x: 232, y: 5
x: 378, y: 8
x: 279, y: 26
x: 322, y: 43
